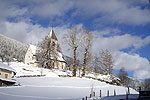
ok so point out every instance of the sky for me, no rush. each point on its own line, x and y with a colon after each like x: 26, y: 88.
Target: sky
x: 121, y: 26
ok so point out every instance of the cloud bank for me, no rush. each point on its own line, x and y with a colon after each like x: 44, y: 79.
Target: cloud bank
x: 135, y: 12
x: 20, y: 19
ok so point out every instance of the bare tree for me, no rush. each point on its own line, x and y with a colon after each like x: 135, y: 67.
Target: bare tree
x: 146, y: 85
x: 86, y: 45
x: 123, y: 76
x: 46, y: 53
x: 97, y: 65
x: 73, y: 40
x: 106, y: 61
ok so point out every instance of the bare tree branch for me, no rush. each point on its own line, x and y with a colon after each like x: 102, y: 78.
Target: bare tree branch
x: 86, y: 45
x: 106, y: 61
x: 73, y: 40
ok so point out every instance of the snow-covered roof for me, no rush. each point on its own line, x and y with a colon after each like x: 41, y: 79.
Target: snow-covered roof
x: 6, y: 67
x: 60, y: 57
x: 33, y: 49
x: 8, y: 80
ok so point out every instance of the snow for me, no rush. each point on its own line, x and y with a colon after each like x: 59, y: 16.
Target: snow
x: 6, y: 67
x: 57, y: 88
x: 33, y: 49
x: 60, y: 57
x: 90, y: 75
x: 8, y: 80
x: 104, y: 77
x: 27, y: 70
x: 53, y: 87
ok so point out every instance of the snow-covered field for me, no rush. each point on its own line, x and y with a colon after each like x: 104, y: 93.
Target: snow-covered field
x: 26, y: 70
x: 52, y: 87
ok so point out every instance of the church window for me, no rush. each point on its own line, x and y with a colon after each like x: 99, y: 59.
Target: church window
x: 53, y: 44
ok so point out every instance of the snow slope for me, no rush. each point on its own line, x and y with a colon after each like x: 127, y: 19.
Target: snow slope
x: 26, y: 70
x: 52, y: 87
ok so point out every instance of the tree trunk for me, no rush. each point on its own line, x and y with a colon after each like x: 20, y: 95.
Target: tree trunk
x: 84, y: 62
x: 74, y: 62
x: 109, y: 70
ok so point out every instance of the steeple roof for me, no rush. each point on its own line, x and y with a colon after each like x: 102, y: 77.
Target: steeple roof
x: 52, y: 35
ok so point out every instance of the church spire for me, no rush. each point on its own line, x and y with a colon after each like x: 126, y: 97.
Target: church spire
x: 52, y: 35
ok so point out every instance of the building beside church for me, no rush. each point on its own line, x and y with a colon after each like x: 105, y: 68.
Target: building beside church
x: 30, y: 56
x: 6, y: 75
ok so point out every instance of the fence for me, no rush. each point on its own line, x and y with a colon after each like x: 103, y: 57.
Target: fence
x: 93, y: 96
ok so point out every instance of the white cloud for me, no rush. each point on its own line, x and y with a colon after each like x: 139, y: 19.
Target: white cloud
x: 8, y: 9
x: 119, y: 42
x: 107, y: 11
x: 115, y: 11
x: 51, y: 8
x: 107, y: 32
x: 142, y: 73
x: 133, y: 16
x: 24, y: 32
x: 139, y: 65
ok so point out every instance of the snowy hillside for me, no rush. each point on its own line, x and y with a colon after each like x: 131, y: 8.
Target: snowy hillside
x: 53, y: 87
x: 26, y: 70
x: 46, y: 88
x: 11, y: 48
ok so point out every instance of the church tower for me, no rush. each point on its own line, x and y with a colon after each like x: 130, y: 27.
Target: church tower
x: 54, y: 39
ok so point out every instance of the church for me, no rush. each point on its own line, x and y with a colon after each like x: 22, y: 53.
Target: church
x: 30, y: 56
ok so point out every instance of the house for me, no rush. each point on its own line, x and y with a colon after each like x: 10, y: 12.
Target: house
x: 30, y: 56
x: 6, y: 75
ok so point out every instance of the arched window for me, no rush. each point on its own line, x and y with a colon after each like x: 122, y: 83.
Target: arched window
x: 53, y: 44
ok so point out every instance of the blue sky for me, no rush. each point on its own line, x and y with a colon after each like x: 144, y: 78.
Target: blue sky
x: 122, y: 26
